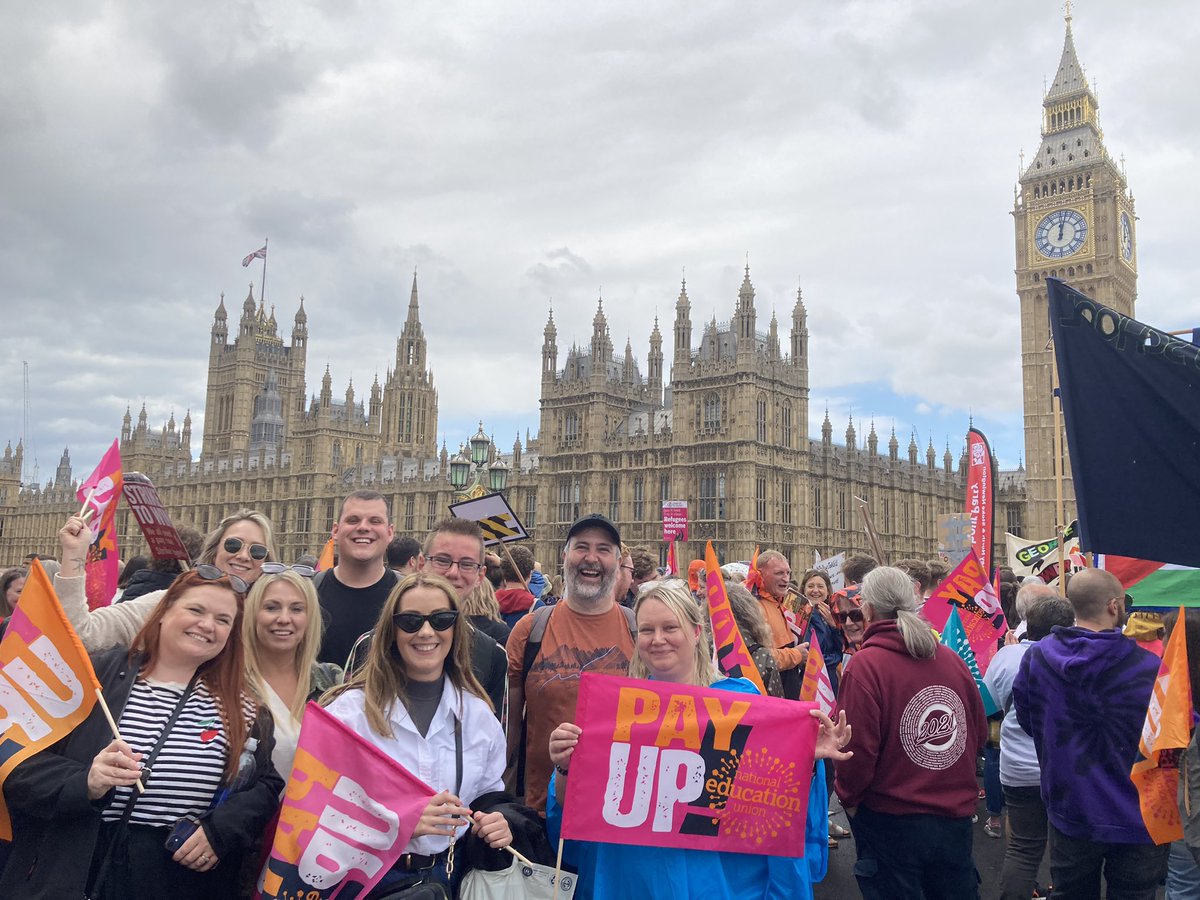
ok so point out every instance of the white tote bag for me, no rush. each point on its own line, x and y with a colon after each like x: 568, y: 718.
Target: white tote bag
x: 520, y: 881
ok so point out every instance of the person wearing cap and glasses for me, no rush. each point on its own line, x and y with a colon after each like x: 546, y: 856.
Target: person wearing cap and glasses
x: 238, y: 547
x: 587, y: 627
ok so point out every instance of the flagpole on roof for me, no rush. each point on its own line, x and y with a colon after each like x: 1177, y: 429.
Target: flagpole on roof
x: 262, y: 294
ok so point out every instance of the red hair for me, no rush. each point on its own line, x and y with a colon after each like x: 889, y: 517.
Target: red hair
x: 224, y: 674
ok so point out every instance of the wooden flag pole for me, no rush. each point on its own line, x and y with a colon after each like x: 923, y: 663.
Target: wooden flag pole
x: 558, y: 863
x: 518, y: 855
x: 112, y: 723
x: 865, y: 509
x: 524, y: 582
x: 86, y: 511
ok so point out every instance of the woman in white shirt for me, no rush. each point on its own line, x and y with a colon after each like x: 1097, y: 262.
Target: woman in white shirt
x: 417, y: 699
x: 281, y: 633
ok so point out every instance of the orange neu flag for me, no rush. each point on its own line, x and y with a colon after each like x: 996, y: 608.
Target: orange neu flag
x: 47, y: 685
x: 733, y: 656
x: 326, y: 560
x: 1164, y: 738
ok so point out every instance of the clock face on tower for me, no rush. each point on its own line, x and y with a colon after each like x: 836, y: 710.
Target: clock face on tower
x: 1126, y: 237
x: 1060, y: 234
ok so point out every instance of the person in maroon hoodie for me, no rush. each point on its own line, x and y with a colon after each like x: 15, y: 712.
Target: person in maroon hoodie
x: 919, y: 724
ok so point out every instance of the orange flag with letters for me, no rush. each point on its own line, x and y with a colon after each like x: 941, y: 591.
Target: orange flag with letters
x: 1165, y: 736
x: 733, y: 656
x: 326, y: 560
x: 47, y: 685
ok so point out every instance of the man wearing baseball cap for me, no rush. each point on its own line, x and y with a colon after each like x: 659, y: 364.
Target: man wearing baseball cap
x: 586, y: 630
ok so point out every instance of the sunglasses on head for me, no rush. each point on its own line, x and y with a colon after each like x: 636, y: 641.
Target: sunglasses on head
x: 411, y: 622
x: 212, y: 573
x: 300, y: 569
x: 853, y: 615
x: 235, y: 544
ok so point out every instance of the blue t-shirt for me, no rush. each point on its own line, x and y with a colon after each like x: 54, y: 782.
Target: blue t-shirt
x: 630, y: 872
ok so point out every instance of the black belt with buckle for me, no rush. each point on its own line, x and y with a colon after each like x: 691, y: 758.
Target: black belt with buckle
x: 415, y: 862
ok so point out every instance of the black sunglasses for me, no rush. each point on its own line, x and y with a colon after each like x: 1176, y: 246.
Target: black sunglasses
x: 854, y: 615
x: 411, y: 622
x: 212, y: 573
x: 256, y: 551
x: 300, y: 569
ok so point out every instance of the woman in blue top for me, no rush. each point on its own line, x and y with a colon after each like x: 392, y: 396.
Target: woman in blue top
x: 673, y: 645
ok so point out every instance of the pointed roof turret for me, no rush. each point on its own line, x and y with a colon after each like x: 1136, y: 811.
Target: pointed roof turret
x: 893, y: 445
x: 827, y: 427
x: 656, y: 335
x: 550, y: 332
x: 414, y: 309
x: 913, y: 450
x: 220, y: 315
x: 1070, y: 79
x: 746, y: 291
x: 301, y: 315
x: 248, y: 303
x: 947, y: 458
x: 142, y: 416
x: 683, y: 302
x: 850, y: 433
x: 930, y: 453
x: 873, y: 439
x: 126, y: 421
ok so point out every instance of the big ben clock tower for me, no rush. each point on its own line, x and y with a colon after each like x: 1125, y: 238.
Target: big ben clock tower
x: 1074, y: 219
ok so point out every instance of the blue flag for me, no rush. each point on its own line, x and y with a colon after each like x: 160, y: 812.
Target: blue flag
x: 1131, y: 403
x: 954, y: 636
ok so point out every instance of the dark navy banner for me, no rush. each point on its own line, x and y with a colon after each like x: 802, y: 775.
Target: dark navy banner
x: 1131, y: 401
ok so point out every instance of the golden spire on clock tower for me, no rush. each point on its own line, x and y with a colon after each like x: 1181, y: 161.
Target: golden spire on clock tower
x: 1074, y: 220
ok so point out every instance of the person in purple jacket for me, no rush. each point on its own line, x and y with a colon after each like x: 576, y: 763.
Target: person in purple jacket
x: 1081, y: 694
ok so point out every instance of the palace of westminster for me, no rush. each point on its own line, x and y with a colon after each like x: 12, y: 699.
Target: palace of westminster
x: 725, y: 427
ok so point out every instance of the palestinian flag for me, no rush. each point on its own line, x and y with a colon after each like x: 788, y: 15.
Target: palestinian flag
x: 1152, y: 583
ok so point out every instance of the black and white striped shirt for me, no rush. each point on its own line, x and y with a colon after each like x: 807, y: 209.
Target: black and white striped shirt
x: 188, y: 770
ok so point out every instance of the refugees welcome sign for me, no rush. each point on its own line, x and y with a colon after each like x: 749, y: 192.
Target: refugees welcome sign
x: 670, y: 765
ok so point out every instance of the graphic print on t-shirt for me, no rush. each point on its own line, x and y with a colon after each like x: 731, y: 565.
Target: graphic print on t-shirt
x: 933, y: 728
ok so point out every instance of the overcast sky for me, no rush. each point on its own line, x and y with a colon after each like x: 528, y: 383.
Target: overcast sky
x: 516, y: 154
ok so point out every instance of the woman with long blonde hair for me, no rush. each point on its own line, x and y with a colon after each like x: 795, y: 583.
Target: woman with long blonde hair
x: 417, y: 699
x: 674, y: 645
x: 281, y: 634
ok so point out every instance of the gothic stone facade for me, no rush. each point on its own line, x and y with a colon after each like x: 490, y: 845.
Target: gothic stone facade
x: 728, y: 433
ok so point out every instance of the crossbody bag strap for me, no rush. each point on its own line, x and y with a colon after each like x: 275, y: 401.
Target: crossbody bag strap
x: 146, y: 772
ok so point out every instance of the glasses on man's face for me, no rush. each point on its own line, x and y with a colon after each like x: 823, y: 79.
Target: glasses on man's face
x: 628, y: 569
x: 300, y: 569
x: 212, y: 573
x: 411, y: 622
x: 852, y: 615
x: 234, y: 545
x: 442, y: 564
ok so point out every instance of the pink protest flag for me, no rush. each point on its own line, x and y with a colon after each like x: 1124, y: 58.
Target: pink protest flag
x: 968, y: 590
x: 733, y: 656
x: 348, y: 812
x: 816, y: 685
x: 672, y: 765
x: 99, y: 494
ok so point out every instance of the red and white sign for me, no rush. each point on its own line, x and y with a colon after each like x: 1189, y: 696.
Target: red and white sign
x: 152, y: 516
x: 675, y: 520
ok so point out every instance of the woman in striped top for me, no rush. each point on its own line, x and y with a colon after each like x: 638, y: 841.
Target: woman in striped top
x: 79, y: 824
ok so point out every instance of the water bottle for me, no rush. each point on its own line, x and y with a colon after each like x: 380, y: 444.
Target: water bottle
x: 244, y: 774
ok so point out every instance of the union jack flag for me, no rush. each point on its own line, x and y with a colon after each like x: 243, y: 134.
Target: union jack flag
x: 257, y: 254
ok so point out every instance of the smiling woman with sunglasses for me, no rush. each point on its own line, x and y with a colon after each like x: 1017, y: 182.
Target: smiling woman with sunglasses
x: 238, y: 547
x: 417, y: 699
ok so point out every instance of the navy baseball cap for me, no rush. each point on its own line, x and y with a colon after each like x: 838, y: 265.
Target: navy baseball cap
x: 594, y: 520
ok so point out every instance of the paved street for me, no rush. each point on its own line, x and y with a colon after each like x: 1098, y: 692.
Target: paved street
x: 989, y: 855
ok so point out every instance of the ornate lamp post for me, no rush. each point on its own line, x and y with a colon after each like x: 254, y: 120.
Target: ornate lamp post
x: 475, y: 468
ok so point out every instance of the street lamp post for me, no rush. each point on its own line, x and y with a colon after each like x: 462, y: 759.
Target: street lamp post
x: 475, y: 468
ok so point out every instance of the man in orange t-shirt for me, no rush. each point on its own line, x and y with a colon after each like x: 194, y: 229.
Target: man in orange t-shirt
x: 586, y: 632
x: 775, y: 573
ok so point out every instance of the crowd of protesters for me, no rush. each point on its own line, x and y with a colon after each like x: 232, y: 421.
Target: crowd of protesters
x: 464, y: 666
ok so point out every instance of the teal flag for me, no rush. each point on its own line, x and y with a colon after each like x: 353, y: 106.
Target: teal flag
x: 954, y: 636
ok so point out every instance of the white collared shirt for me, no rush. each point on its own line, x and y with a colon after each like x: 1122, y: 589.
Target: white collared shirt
x: 432, y: 758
